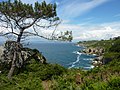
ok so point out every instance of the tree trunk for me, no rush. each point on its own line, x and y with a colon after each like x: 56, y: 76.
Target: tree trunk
x: 11, y: 71
x: 20, y: 35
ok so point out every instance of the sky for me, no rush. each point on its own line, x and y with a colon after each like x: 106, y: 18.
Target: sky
x: 88, y: 19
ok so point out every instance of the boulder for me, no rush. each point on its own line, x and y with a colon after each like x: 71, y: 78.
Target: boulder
x: 97, y: 51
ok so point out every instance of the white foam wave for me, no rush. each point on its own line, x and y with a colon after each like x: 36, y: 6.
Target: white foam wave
x: 77, y: 52
x: 72, y: 66
x: 90, y: 67
x: 77, y: 60
x: 73, y: 63
x: 88, y: 59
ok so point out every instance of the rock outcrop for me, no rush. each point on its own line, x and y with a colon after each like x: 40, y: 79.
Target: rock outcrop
x: 98, y: 61
x: 97, y: 51
x: 14, y: 50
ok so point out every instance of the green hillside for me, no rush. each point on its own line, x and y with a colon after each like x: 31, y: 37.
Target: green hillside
x: 37, y: 76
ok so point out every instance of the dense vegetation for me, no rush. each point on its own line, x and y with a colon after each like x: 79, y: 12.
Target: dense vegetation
x: 43, y: 76
x: 31, y: 76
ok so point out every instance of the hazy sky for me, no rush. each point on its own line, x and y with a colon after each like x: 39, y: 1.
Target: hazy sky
x: 88, y: 19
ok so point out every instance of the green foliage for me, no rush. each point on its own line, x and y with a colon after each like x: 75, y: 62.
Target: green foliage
x: 94, y: 70
x: 114, y: 83
x: 109, y: 56
x: 95, y: 86
x: 31, y: 76
x: 112, y: 55
x: 17, y: 9
x: 102, y: 78
x: 20, y: 82
x: 113, y: 52
x: 105, y: 44
x: 66, y: 81
x: 115, y: 47
x: 66, y: 36
x: 44, y: 71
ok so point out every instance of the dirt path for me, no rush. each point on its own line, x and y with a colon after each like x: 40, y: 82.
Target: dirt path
x: 46, y: 85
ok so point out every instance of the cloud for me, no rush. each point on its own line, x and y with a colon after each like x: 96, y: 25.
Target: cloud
x: 84, y: 32
x: 75, y: 8
x: 105, y: 33
x: 68, y: 9
x: 3, y: 30
x: 93, y: 31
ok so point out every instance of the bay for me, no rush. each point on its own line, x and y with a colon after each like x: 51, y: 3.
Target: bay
x: 65, y: 54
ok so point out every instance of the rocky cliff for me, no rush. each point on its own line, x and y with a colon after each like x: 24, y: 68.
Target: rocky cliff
x: 13, y: 50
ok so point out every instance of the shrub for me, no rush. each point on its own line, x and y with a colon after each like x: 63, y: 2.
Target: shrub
x: 114, y: 83
x: 115, y: 47
x: 20, y: 82
x: 44, y: 71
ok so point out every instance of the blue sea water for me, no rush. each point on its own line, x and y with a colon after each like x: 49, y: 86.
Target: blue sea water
x: 65, y: 54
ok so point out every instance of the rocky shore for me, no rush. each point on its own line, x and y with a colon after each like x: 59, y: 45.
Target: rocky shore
x: 97, y: 52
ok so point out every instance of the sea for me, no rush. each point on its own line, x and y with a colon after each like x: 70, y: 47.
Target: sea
x: 64, y: 53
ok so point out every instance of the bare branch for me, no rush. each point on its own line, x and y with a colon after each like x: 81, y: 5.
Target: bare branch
x: 35, y: 34
x: 30, y: 24
x: 44, y: 26
x: 55, y: 28
x: 35, y: 29
x: 1, y: 34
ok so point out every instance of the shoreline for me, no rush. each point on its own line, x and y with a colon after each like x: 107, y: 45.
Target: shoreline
x: 97, y: 52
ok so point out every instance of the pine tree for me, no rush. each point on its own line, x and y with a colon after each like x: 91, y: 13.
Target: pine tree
x: 18, y: 17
